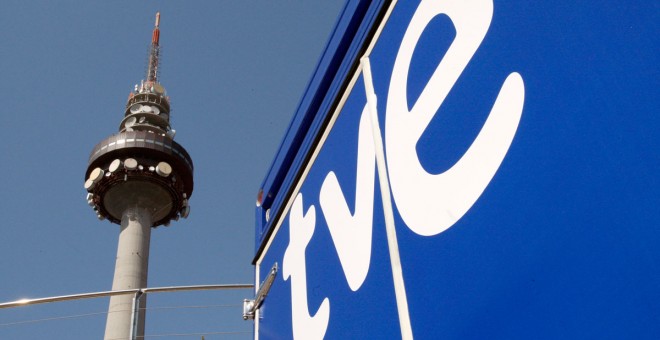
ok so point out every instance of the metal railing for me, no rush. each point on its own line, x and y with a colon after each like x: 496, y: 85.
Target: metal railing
x: 137, y: 294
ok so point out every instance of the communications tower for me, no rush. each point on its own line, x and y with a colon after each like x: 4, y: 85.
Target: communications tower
x: 139, y: 178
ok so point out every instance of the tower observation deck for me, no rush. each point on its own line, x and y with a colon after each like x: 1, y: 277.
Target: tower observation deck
x: 139, y: 178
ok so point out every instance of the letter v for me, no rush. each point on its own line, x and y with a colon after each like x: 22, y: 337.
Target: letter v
x: 351, y: 234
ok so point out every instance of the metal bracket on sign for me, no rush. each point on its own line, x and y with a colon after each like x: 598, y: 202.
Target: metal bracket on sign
x: 250, y: 306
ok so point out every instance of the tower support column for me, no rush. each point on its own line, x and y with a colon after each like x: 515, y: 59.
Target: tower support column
x: 130, y: 273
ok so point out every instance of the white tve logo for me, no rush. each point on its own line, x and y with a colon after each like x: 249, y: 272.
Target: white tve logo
x: 428, y: 203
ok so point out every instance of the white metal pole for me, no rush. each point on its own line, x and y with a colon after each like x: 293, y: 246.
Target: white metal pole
x: 82, y: 296
x: 392, y: 243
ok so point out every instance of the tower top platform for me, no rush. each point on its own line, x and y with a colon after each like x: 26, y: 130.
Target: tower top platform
x: 142, y: 165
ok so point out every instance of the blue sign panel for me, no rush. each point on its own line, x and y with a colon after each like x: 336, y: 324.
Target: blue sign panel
x: 475, y: 169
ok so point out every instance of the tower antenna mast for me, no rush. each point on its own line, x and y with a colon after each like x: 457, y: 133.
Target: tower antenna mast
x: 154, y: 52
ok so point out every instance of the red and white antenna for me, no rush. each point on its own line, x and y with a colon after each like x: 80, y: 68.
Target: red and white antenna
x: 154, y: 52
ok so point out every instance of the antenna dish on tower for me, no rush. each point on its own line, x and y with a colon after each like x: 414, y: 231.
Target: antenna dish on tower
x: 130, y: 122
x: 158, y: 88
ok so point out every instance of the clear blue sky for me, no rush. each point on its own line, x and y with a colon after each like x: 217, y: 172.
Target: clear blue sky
x: 235, y: 71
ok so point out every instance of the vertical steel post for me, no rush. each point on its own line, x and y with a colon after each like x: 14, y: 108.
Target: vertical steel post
x: 135, y: 315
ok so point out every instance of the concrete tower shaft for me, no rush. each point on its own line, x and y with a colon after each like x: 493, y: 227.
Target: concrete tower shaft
x: 139, y: 178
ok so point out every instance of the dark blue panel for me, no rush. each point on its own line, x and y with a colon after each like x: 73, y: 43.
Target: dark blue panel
x: 353, y: 25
